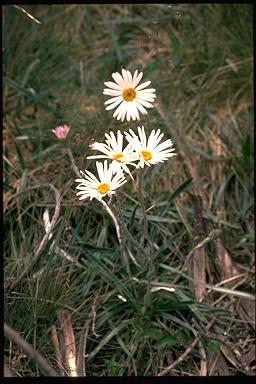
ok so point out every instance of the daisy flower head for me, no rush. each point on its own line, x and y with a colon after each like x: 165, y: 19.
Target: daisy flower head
x: 107, y: 183
x: 61, y: 132
x: 150, y: 151
x: 128, y: 96
x: 113, y: 149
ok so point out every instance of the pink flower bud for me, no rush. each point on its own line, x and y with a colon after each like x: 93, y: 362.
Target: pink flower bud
x: 61, y: 132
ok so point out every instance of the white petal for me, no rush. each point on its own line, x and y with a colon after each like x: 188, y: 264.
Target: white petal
x: 137, y: 79
x: 146, y: 98
x: 126, y: 76
x: 111, y: 92
x: 164, y: 145
x: 134, y: 111
x: 98, y: 157
x: 129, y: 76
x: 135, y: 75
x: 113, y: 99
x: 128, y: 114
x: 140, y: 108
x: 123, y: 114
x: 146, y: 94
x: 142, y: 135
x: 143, y: 85
x: 82, y: 193
x: 154, y: 139
x: 83, y: 197
x: 144, y: 103
x: 112, y: 85
x: 100, y: 170
x: 100, y: 147
x: 148, y: 90
x: 115, y: 143
x: 87, y: 183
x: 92, y: 176
x: 118, y: 109
x: 126, y: 169
x: 120, y: 138
x: 119, y: 80
x: 79, y: 180
x: 117, y: 181
x: 111, y: 106
x: 141, y: 163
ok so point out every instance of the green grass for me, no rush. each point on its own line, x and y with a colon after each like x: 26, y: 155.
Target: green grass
x: 199, y: 58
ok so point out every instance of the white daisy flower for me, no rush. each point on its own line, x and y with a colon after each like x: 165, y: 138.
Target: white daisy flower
x: 91, y: 187
x: 113, y: 150
x: 128, y: 95
x: 149, y: 150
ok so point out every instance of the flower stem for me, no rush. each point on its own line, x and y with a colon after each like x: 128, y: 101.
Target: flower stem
x: 111, y: 213
x: 118, y: 233
x: 73, y: 164
x: 108, y: 209
x: 146, y: 237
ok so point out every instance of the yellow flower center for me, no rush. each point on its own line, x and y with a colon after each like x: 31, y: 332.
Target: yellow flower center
x: 146, y: 155
x: 129, y: 94
x: 103, y: 188
x: 118, y: 157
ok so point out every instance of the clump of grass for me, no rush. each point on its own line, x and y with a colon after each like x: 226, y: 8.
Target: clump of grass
x: 199, y: 58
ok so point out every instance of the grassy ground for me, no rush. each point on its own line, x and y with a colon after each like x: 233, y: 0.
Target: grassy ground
x: 199, y: 59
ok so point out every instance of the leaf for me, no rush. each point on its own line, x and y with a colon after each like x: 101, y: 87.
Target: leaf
x: 20, y: 157
x: 104, y: 341
x: 247, y: 154
x: 174, y: 194
x: 169, y: 242
x: 149, y: 333
x: 170, y: 305
x: 180, y: 189
x: 165, y: 342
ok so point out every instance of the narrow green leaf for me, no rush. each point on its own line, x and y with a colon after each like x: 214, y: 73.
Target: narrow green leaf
x: 165, y: 342
x: 103, y: 342
x: 20, y: 157
x: 149, y: 333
